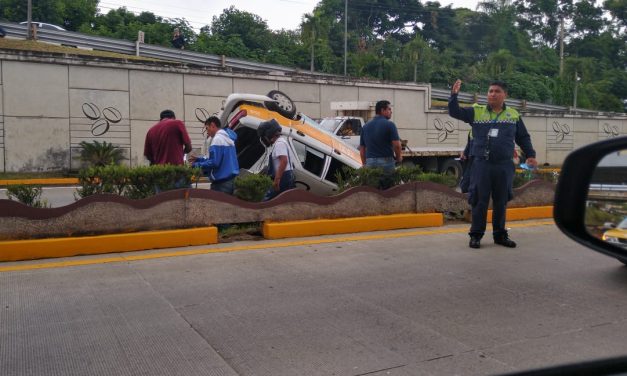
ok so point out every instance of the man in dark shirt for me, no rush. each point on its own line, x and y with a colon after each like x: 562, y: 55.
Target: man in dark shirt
x: 379, y: 144
x: 178, y: 41
x: 167, y: 141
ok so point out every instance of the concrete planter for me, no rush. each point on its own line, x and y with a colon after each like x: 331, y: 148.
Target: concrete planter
x: 187, y: 208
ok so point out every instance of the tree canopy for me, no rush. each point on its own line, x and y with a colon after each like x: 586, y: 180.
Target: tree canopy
x: 404, y: 40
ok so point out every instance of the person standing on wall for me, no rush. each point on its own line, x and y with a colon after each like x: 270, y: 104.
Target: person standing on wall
x: 167, y: 141
x: 178, y: 41
x: 495, y: 129
x: 221, y: 165
x: 379, y: 143
x: 280, y: 164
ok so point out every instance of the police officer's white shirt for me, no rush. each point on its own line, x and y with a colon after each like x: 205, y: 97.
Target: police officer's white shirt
x: 281, y: 148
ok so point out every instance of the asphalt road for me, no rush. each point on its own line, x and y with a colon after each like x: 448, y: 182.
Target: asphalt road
x: 413, y: 302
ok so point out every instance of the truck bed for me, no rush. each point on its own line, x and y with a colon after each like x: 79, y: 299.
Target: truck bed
x: 431, y: 151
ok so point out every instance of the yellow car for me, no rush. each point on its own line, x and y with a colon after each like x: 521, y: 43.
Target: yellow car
x: 618, y: 235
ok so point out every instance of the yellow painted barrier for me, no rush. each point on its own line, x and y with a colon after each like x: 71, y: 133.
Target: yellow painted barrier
x: 19, y: 250
x: 42, y: 181
x: 281, y: 230
x: 521, y: 214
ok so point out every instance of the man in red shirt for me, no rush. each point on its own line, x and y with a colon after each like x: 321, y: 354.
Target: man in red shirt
x: 167, y: 141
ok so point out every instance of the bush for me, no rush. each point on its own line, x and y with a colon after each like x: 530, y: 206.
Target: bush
x: 136, y: 183
x: 28, y: 195
x: 370, y: 177
x: 252, y: 187
x: 98, y: 154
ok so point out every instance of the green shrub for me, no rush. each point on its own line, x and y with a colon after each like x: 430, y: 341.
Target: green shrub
x: 28, y: 195
x: 596, y: 217
x: 349, y: 177
x: 98, y: 154
x: 252, y: 187
x: 370, y: 177
x: 136, y: 183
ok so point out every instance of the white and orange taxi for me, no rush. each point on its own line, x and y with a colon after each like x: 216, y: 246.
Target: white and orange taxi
x: 320, y: 155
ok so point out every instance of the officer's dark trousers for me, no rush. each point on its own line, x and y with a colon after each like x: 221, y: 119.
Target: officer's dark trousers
x: 490, y: 178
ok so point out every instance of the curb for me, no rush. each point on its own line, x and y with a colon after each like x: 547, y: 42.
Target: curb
x: 294, y: 229
x: 43, y: 181
x: 21, y: 250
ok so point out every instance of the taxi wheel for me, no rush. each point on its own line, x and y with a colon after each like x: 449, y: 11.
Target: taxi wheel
x: 283, y: 105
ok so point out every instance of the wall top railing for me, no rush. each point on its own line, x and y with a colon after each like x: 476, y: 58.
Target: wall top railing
x: 94, y: 42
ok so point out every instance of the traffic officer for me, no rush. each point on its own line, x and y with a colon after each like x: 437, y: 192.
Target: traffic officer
x: 495, y: 128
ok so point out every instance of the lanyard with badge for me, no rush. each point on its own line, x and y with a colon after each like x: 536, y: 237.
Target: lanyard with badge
x: 492, y: 133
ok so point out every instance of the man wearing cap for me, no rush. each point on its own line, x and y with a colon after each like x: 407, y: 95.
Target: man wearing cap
x: 167, y: 141
x: 280, y: 164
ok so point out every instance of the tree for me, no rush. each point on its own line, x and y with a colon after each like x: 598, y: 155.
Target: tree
x: 500, y: 63
x: 587, y: 18
x: 420, y: 59
x: 251, y: 29
x: 70, y: 14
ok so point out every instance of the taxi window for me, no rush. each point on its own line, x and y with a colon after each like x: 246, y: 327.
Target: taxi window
x: 248, y: 147
x: 336, y: 167
x: 311, y: 159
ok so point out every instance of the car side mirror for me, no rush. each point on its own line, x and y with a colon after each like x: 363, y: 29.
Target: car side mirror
x: 592, y: 193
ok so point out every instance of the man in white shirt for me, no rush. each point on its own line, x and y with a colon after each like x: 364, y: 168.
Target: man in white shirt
x: 280, y: 164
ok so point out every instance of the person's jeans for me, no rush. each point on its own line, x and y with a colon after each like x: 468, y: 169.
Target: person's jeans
x: 387, y: 164
x: 287, y: 182
x: 225, y: 186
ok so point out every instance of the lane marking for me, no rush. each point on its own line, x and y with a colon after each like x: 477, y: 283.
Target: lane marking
x: 250, y: 247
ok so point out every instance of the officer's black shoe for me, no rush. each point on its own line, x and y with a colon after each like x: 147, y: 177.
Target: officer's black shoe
x: 474, y: 242
x: 505, y: 241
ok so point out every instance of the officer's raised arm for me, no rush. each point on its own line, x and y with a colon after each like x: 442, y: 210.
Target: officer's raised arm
x: 466, y: 115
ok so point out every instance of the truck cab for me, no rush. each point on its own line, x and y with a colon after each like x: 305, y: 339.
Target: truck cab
x: 348, y: 128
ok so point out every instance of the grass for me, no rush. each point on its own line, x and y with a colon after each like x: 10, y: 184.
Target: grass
x: 240, y: 231
x: 35, y: 46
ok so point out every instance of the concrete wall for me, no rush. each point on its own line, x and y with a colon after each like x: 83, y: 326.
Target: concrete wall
x: 48, y: 106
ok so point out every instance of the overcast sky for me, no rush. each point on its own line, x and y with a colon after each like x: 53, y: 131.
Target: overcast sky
x: 279, y: 14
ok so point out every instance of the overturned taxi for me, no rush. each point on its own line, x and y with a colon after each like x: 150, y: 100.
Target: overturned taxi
x: 320, y: 156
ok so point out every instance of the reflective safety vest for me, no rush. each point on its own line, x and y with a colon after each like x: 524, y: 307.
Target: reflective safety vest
x: 493, y: 134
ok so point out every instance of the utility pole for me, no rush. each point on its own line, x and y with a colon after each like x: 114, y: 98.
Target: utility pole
x: 577, y: 78
x: 29, y: 19
x: 561, y: 46
x: 313, y: 39
x: 345, y: 34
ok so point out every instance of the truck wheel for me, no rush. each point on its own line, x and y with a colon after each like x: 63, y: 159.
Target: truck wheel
x: 284, y: 105
x: 452, y: 167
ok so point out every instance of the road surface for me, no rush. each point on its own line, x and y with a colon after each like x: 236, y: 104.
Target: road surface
x: 412, y: 302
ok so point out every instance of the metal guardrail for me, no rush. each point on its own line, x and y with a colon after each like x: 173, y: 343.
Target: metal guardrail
x: 70, y: 38
x: 94, y: 42
x: 517, y: 103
